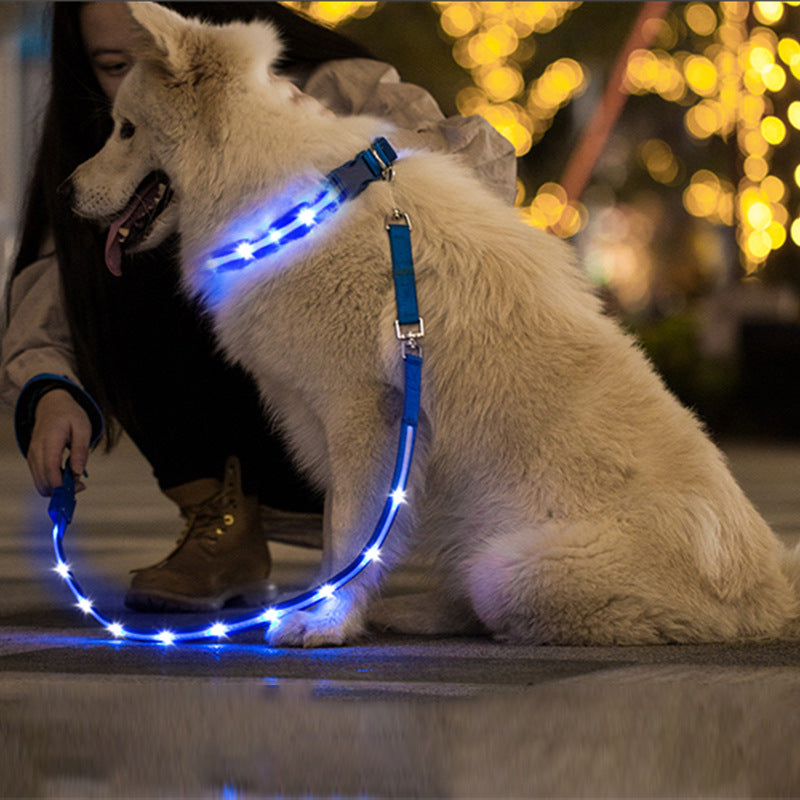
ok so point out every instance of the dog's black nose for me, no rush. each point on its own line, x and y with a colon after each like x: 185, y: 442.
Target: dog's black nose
x: 66, y: 192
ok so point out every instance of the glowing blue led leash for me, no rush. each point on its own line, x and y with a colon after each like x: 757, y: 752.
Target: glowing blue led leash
x: 347, y: 181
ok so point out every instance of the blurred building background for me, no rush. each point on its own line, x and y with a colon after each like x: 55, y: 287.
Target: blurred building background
x: 23, y: 73
x: 660, y: 138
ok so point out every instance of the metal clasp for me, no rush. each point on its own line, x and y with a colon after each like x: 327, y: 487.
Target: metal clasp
x: 387, y: 170
x: 408, y: 334
x: 398, y: 217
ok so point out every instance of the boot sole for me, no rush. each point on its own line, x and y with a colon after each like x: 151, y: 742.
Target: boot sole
x: 161, y: 601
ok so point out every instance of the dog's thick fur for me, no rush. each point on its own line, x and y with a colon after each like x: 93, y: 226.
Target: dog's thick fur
x: 567, y: 497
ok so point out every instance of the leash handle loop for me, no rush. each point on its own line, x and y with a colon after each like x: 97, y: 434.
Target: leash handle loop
x: 62, y: 501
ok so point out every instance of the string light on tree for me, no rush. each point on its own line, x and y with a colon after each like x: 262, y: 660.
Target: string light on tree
x: 495, y: 43
x: 731, y: 88
x: 333, y: 13
x: 728, y: 64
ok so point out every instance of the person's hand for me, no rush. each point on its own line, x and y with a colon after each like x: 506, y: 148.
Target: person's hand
x: 60, y: 422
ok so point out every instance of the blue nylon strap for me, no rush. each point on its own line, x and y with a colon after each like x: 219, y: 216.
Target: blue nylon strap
x: 403, y: 272
x: 62, y: 501
x: 413, y: 386
x: 382, y: 147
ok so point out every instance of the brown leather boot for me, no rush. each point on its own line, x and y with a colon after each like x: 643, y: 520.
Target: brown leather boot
x: 221, y: 556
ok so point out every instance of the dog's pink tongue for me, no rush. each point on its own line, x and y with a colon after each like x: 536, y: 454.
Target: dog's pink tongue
x: 144, y: 199
x: 113, y: 249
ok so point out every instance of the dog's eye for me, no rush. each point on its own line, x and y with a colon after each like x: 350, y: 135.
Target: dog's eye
x: 127, y: 129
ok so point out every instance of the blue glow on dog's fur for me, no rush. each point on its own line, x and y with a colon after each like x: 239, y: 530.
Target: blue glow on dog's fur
x: 266, y: 240
x: 257, y: 239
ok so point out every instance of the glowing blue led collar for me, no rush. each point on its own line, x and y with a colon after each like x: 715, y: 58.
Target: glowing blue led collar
x: 349, y: 180
x: 342, y: 184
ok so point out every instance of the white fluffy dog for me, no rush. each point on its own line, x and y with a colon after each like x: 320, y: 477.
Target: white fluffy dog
x: 566, y: 497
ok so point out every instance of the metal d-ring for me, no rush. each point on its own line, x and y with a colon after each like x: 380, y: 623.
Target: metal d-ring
x: 398, y: 217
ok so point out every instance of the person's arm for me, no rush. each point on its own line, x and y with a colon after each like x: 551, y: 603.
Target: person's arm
x: 362, y: 86
x: 37, y: 375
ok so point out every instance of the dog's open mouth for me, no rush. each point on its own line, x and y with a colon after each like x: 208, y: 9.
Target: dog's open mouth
x: 151, y: 197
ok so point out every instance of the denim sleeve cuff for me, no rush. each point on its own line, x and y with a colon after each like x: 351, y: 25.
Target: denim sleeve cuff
x: 34, y: 390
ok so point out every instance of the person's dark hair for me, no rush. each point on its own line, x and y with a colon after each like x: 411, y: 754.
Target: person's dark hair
x: 76, y: 124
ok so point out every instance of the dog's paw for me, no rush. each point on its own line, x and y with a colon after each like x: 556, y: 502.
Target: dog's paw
x: 322, y: 627
x: 289, y: 631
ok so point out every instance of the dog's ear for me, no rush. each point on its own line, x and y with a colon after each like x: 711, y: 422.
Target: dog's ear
x: 161, y: 35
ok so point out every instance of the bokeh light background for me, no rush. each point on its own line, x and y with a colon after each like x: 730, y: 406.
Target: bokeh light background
x: 689, y: 222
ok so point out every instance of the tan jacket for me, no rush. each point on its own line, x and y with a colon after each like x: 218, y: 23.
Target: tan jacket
x: 35, y: 334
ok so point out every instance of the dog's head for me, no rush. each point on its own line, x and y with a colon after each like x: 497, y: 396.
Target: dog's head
x: 170, y: 121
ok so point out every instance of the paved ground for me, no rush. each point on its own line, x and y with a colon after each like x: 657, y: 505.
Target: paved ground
x: 84, y: 717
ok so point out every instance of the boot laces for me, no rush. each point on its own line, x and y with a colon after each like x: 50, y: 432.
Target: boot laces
x: 203, y: 523
x: 207, y: 520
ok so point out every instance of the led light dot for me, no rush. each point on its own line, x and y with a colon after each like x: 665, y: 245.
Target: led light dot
x: 372, y: 554
x: 306, y: 216
x: 325, y: 591
x: 85, y: 605
x: 62, y: 569
x: 245, y: 250
x: 116, y: 630
x: 398, y: 496
x: 271, y: 615
x: 166, y: 637
x: 218, y: 629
